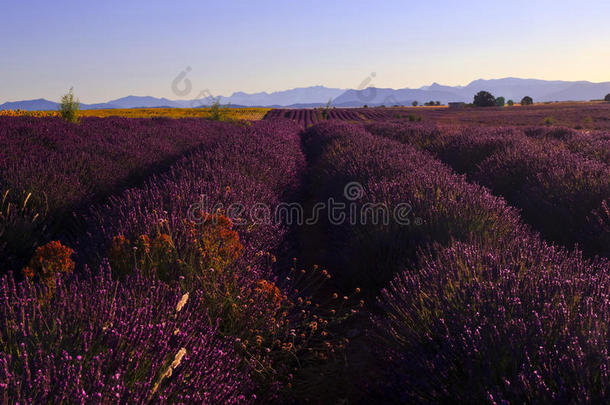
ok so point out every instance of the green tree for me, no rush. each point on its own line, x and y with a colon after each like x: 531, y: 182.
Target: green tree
x: 484, y: 99
x: 216, y: 112
x: 500, y: 101
x: 607, y: 98
x: 325, y: 111
x: 415, y: 103
x: 527, y: 100
x: 69, y: 107
x: 510, y: 103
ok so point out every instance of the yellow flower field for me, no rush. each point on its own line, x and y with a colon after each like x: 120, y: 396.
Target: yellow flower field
x: 22, y: 113
x: 249, y: 114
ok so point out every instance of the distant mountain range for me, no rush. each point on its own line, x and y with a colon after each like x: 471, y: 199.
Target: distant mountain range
x: 316, y: 96
x: 509, y: 88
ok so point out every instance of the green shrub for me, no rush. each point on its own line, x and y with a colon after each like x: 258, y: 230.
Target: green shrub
x: 326, y: 109
x: 68, y: 108
x: 218, y: 113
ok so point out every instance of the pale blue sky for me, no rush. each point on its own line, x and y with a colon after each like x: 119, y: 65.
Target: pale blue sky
x: 111, y: 49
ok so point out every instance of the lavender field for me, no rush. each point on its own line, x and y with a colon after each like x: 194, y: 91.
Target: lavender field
x: 343, y: 256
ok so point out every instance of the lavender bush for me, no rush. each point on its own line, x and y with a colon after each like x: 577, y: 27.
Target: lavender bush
x: 59, y: 168
x: 557, y: 176
x: 261, y: 164
x: 522, y: 323
x: 96, y: 340
x: 592, y: 144
x: 557, y: 190
x: 71, y: 164
x: 281, y: 326
x: 442, y: 204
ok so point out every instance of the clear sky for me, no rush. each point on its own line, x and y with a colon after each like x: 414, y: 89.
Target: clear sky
x: 109, y: 49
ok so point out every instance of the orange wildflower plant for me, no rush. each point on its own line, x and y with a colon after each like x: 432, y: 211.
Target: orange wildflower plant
x: 215, y: 241
x: 157, y: 256
x: 270, y: 292
x: 211, y: 244
x: 49, y: 260
x: 120, y: 255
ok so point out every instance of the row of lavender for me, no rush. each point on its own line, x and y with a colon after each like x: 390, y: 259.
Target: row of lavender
x: 480, y: 310
x: 49, y: 168
x: 187, y: 306
x: 98, y: 340
x: 592, y: 144
x: 308, y: 117
x: 427, y: 203
x: 243, y: 168
x: 578, y: 116
x: 559, y: 178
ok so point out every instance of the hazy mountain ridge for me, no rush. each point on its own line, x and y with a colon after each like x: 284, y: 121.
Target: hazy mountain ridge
x: 314, y: 96
x: 509, y: 88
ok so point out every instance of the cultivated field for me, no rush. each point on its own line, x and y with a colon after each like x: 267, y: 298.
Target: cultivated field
x: 594, y: 115
x: 366, y: 255
x: 250, y: 114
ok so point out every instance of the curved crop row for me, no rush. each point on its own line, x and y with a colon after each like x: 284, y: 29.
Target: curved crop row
x: 97, y: 340
x: 491, y: 314
x: 524, y: 322
x: 563, y: 194
x: 592, y: 144
x: 308, y: 117
x: 235, y: 187
x: 461, y: 148
x: 243, y: 169
x: 178, y: 233
x: 521, y: 321
x: 49, y: 168
x: 425, y: 201
x: 71, y: 164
